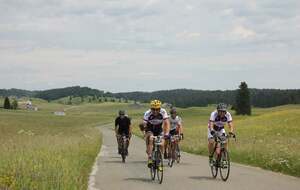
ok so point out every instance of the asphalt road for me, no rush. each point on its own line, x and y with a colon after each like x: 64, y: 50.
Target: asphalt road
x: 109, y: 173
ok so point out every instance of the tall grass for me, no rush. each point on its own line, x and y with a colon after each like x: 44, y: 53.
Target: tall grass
x: 39, y: 150
x: 269, y: 139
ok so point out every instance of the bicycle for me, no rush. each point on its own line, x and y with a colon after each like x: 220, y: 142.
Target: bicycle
x: 157, y: 160
x: 221, y: 161
x: 124, y: 146
x: 173, y: 150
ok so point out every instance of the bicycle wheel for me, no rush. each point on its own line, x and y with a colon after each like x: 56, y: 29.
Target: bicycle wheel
x: 123, y: 153
x: 214, y: 166
x: 224, y: 165
x: 177, y: 153
x: 159, y: 164
x: 171, y: 155
x: 153, y: 171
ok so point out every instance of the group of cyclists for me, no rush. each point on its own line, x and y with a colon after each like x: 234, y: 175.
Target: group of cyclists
x: 157, y: 122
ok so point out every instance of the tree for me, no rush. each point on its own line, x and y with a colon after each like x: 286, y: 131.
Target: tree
x: 6, y: 103
x: 70, y: 100
x: 14, y: 104
x: 243, y: 106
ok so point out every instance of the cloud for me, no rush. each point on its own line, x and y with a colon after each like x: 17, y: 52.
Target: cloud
x: 243, y: 32
x: 188, y: 35
x: 105, y: 40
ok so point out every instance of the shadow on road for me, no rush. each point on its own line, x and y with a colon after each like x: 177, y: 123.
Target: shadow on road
x: 138, y: 179
x: 114, y: 161
x: 138, y: 162
x: 203, y: 178
x: 115, y: 157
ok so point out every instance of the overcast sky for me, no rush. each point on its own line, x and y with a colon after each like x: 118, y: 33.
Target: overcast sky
x: 128, y: 45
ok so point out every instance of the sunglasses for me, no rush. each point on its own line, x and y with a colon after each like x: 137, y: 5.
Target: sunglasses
x: 153, y: 109
x: 222, y: 112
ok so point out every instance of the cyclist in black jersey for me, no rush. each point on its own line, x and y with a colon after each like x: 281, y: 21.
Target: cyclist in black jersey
x: 122, y: 127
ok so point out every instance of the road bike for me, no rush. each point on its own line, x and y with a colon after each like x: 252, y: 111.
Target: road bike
x: 173, y: 150
x: 124, y: 146
x: 156, y: 169
x: 221, y: 160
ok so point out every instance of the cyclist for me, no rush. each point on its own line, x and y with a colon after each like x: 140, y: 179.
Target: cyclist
x: 122, y: 127
x: 175, y: 125
x: 217, y: 121
x: 156, y: 122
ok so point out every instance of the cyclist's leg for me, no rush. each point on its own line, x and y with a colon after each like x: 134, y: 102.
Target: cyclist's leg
x: 172, y: 146
x: 149, y: 142
x: 119, y: 142
x: 223, y: 132
x: 211, y: 143
x: 162, y: 147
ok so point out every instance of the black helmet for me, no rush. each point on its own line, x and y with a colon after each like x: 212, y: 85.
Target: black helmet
x: 121, y: 112
x: 173, y: 110
x: 222, y: 107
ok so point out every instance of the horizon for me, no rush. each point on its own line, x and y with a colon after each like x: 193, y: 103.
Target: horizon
x: 132, y: 45
x: 146, y: 91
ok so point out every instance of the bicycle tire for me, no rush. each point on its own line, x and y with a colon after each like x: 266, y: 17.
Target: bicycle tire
x: 124, y: 144
x: 171, y: 155
x: 178, y: 155
x: 159, y: 162
x: 153, y: 172
x: 224, y: 165
x: 214, y: 167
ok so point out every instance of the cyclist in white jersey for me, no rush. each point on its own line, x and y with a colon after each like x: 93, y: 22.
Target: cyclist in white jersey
x: 217, y: 121
x: 176, y: 127
x: 156, y: 122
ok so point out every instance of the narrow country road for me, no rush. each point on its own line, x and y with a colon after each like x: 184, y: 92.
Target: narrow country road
x: 193, y: 173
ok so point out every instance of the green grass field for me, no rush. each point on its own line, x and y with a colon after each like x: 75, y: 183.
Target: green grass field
x: 269, y: 139
x: 42, y: 151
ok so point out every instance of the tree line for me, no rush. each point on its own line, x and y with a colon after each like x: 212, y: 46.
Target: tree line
x: 188, y: 98
x: 177, y: 97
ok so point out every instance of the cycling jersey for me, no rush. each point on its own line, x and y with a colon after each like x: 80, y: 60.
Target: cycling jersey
x: 123, y: 124
x: 175, y: 123
x: 219, y: 122
x: 154, y: 123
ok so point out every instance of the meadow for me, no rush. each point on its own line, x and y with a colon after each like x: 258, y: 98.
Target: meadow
x: 269, y: 139
x: 40, y: 150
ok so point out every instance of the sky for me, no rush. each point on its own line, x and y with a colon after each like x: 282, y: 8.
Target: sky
x: 148, y: 45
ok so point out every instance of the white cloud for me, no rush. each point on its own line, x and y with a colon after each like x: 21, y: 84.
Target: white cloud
x: 188, y: 35
x: 67, y: 41
x: 243, y: 32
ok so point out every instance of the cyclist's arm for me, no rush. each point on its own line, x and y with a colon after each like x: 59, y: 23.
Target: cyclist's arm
x: 230, y: 124
x: 211, y: 125
x: 130, y: 128
x: 211, y: 121
x: 180, y: 128
x: 116, y: 126
x: 166, y: 126
x: 231, y: 127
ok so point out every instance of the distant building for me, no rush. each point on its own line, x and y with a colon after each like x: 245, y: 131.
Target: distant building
x: 28, y: 105
x: 60, y: 113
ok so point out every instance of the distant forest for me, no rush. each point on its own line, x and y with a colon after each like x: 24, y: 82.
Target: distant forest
x: 178, y: 97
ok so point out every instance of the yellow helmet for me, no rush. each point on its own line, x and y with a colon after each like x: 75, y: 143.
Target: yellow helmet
x: 155, y: 104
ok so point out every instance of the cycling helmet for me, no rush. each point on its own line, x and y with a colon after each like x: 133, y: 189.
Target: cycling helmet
x: 155, y: 104
x: 222, y: 107
x: 121, y: 112
x: 173, y: 110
